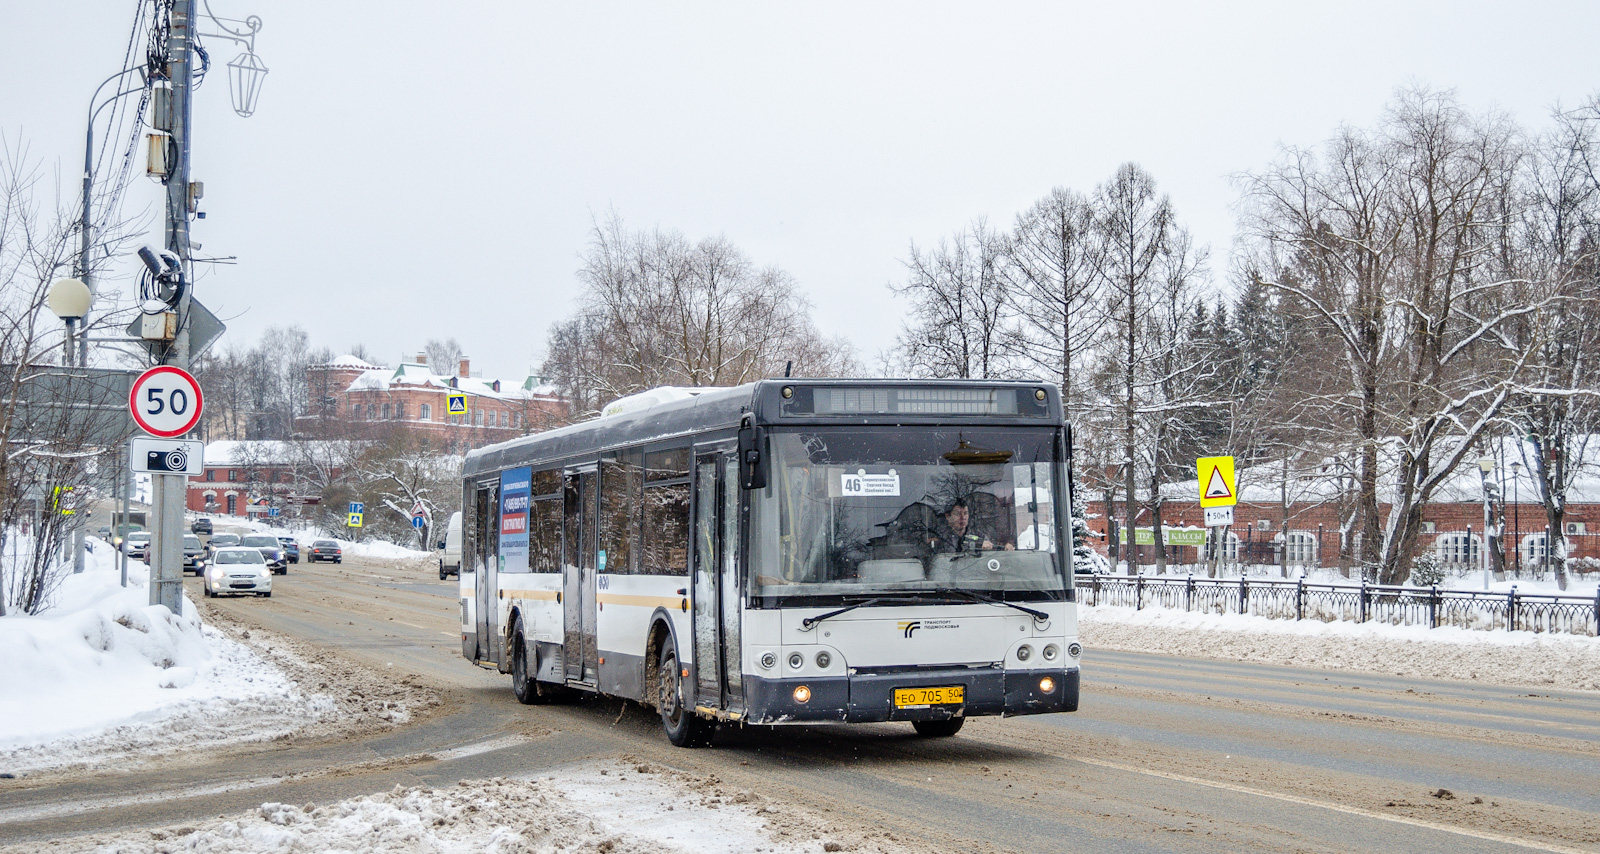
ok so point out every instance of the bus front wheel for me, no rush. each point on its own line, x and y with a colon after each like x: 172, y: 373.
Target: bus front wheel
x: 684, y: 728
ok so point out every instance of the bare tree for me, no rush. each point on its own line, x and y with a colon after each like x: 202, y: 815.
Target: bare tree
x: 1056, y: 295
x: 959, y: 306
x: 657, y: 310
x: 443, y: 356
x: 44, y: 437
x: 1147, y: 267
x: 1391, y: 247
x: 1554, y: 250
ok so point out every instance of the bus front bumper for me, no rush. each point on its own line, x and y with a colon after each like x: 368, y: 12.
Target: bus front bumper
x: 870, y: 697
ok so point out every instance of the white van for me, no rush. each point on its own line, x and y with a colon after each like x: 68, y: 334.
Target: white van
x: 450, y: 558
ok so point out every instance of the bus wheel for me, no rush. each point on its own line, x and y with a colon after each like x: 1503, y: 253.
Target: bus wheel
x: 684, y: 727
x: 938, y: 729
x: 522, y: 684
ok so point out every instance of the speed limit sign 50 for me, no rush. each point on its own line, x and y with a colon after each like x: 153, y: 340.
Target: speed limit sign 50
x: 165, y: 401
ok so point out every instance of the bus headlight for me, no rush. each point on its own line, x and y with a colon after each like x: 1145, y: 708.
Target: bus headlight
x: 768, y: 660
x: 823, y: 660
x: 1051, y: 651
x: 796, y: 660
x: 1024, y: 652
x: 802, y: 695
x: 1047, y: 685
x: 1074, y: 650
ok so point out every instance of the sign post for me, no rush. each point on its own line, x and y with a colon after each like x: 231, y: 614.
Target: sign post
x: 166, y: 403
x: 1219, y: 492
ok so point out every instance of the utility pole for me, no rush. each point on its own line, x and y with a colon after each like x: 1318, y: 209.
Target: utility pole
x: 169, y: 490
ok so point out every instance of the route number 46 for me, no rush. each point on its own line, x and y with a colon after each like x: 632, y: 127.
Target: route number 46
x: 166, y: 401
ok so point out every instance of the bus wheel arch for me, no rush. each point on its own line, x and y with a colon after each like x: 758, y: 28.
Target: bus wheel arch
x: 658, y: 639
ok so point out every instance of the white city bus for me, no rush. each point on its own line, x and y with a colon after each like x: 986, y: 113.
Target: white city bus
x: 789, y: 551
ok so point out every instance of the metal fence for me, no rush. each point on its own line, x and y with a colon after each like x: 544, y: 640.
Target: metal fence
x: 1302, y: 600
x: 1457, y: 552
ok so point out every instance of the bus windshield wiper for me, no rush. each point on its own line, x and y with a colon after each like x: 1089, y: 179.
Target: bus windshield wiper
x: 807, y: 623
x: 973, y: 596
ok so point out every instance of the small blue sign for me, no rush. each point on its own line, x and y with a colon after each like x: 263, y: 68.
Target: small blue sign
x: 357, y: 507
x: 272, y: 511
x: 416, y: 522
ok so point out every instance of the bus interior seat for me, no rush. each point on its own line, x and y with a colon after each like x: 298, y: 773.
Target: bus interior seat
x: 889, y: 571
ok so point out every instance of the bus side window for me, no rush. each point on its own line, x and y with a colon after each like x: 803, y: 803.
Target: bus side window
x: 666, y: 529
x: 619, y: 498
x: 544, y: 535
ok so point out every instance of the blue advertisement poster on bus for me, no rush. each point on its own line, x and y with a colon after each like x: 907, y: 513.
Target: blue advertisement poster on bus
x: 514, y: 492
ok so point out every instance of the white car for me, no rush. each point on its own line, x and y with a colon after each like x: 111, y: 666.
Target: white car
x: 238, y: 569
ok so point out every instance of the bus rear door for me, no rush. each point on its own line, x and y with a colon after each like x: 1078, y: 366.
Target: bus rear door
x: 486, y: 559
x: 580, y: 517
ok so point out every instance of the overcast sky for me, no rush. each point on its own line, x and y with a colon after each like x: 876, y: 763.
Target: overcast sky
x: 428, y: 170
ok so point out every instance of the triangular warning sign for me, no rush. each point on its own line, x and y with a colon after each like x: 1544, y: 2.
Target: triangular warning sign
x: 1218, y: 487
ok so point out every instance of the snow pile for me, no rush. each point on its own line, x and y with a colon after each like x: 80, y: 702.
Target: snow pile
x: 1500, y: 657
x: 614, y: 808
x: 104, y: 674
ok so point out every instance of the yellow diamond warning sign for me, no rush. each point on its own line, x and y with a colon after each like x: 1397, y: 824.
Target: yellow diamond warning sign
x: 1217, y: 485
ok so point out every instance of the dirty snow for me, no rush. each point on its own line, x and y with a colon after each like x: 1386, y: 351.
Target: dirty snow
x: 614, y: 807
x: 1500, y: 657
x: 103, y: 674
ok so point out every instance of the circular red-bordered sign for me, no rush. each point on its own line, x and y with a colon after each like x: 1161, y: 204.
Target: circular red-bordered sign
x: 166, y: 401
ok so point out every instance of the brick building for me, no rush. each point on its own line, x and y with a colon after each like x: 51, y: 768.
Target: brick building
x: 1293, y: 517
x: 350, y: 397
x: 251, y: 477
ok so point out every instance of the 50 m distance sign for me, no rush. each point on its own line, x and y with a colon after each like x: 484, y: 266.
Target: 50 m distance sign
x: 166, y: 401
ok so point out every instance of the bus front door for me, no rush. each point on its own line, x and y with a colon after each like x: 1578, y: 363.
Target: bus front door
x: 717, y: 665
x: 486, y: 559
x: 580, y: 653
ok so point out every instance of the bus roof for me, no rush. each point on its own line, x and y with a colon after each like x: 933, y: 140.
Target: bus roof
x: 778, y: 402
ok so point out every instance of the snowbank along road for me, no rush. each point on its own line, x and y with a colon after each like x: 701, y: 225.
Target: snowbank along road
x: 1170, y: 753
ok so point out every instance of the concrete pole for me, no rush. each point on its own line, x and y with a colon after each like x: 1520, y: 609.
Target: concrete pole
x: 168, y: 498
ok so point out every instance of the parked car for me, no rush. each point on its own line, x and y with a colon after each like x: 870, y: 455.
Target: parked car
x: 291, y: 548
x: 201, y: 526
x: 325, y: 550
x: 137, y: 545
x: 194, y: 555
x: 450, y: 548
x: 270, y: 549
x: 238, y: 569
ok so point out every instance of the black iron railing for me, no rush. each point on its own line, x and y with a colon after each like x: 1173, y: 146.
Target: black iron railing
x: 1281, y: 599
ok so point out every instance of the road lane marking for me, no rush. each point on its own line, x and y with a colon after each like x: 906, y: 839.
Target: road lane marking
x: 77, y: 807
x: 1349, y: 810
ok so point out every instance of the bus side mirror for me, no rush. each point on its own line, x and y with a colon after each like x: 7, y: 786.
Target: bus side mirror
x: 752, y: 462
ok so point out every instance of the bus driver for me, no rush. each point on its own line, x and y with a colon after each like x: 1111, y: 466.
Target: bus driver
x: 956, y: 534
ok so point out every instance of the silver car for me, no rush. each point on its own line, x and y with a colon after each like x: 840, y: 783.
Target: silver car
x: 238, y: 570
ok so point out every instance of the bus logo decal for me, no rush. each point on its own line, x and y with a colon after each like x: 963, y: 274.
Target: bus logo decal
x: 909, y: 626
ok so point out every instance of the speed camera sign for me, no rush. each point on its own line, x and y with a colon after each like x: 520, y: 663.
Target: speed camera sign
x: 165, y: 401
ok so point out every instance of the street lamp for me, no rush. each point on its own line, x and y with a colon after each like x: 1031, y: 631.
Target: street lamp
x: 1485, y: 468
x: 1516, y: 513
x: 245, y: 71
x: 69, y: 299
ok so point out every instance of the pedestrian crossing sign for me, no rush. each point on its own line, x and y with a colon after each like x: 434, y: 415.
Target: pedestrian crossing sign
x: 455, y: 404
x: 1218, y: 487
x: 355, y: 521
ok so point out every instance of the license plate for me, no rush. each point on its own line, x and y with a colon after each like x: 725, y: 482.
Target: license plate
x: 912, y: 698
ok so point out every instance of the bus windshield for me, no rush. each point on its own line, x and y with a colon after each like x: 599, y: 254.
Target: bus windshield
x: 897, y: 512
